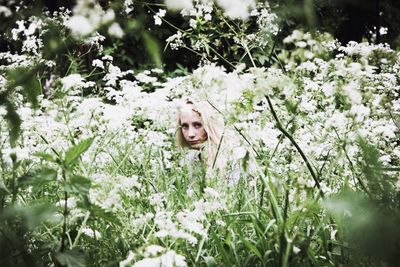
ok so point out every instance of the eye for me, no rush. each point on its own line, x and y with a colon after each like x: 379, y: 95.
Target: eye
x: 197, y: 125
x: 184, y: 126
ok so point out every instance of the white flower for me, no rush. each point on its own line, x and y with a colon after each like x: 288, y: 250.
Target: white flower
x: 128, y: 5
x: 237, y: 9
x: 108, y: 16
x: 153, y: 250
x: 115, y: 30
x: 157, y: 20
x: 148, y: 262
x: 128, y: 261
x: 91, y: 233
x: 107, y: 58
x: 97, y: 63
x: 179, y: 4
x: 171, y: 259
x: 5, y: 11
x: 157, y: 17
x: 328, y: 89
x: 383, y: 31
x: 352, y: 90
x: 79, y: 26
x: 157, y: 199
x: 161, y: 13
x: 72, y: 81
x: 193, y: 23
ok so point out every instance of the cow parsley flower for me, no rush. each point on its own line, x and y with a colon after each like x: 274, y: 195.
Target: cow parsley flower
x: 179, y: 4
x: 115, y: 30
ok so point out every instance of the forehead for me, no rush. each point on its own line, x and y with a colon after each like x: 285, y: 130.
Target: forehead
x: 188, y: 116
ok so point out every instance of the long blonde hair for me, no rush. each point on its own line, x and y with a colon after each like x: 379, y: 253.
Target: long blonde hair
x: 213, y: 124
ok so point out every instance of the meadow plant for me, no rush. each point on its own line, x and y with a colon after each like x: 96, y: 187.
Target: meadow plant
x: 91, y: 175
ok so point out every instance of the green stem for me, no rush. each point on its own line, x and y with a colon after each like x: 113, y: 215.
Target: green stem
x: 290, y: 137
x: 80, y: 229
x: 65, y: 214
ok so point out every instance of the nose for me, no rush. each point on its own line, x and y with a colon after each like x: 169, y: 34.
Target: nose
x: 191, y: 133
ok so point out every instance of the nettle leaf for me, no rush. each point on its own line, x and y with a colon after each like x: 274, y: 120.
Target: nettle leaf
x: 45, y: 156
x: 100, y: 213
x: 3, y: 189
x: 73, y: 258
x: 291, y: 106
x: 76, y: 151
x: 39, y: 177
x: 39, y: 213
x: 31, y: 215
x: 27, y: 79
x: 14, y: 122
x: 78, y: 184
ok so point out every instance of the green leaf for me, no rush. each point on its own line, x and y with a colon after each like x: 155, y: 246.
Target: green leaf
x: 76, y: 151
x: 45, y: 156
x: 32, y: 215
x: 99, y: 213
x: 153, y: 48
x: 73, y: 258
x: 251, y: 246
x: 27, y: 79
x: 210, y: 261
x: 38, y: 213
x: 78, y: 184
x: 14, y: 122
x: 39, y: 177
x: 3, y: 189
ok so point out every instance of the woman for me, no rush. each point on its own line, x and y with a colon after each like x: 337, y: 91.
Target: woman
x: 200, y: 134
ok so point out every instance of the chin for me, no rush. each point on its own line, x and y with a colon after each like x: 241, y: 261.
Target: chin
x: 197, y: 146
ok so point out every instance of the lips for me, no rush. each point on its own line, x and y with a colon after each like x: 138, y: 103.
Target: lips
x: 194, y: 142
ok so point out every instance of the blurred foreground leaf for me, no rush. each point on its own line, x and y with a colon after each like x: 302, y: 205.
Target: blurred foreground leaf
x: 71, y: 258
x: 26, y: 78
x: 370, y: 220
x: 39, y: 177
x: 370, y: 231
x: 32, y: 215
x: 153, y: 48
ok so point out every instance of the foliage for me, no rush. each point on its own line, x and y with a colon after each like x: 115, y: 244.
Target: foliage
x: 90, y: 174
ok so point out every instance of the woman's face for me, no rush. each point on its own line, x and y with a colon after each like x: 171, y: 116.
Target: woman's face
x: 192, y: 127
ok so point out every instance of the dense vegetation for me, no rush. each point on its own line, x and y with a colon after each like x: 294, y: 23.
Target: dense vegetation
x: 89, y: 171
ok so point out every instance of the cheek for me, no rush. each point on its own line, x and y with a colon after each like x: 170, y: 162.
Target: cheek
x: 184, y: 133
x: 203, y: 134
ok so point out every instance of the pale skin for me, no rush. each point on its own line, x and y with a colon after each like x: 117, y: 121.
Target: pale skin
x: 192, y: 128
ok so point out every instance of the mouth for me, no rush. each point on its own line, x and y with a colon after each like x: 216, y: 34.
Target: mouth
x: 194, y: 142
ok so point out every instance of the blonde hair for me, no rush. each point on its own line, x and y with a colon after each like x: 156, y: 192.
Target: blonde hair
x: 213, y: 124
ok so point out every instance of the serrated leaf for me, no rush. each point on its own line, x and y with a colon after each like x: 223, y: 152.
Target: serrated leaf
x: 78, y: 184
x: 14, y: 122
x: 73, y: 258
x: 38, y: 213
x: 3, y: 189
x: 76, y: 151
x: 100, y: 213
x: 31, y: 215
x: 27, y: 79
x: 39, y: 177
x: 44, y: 156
